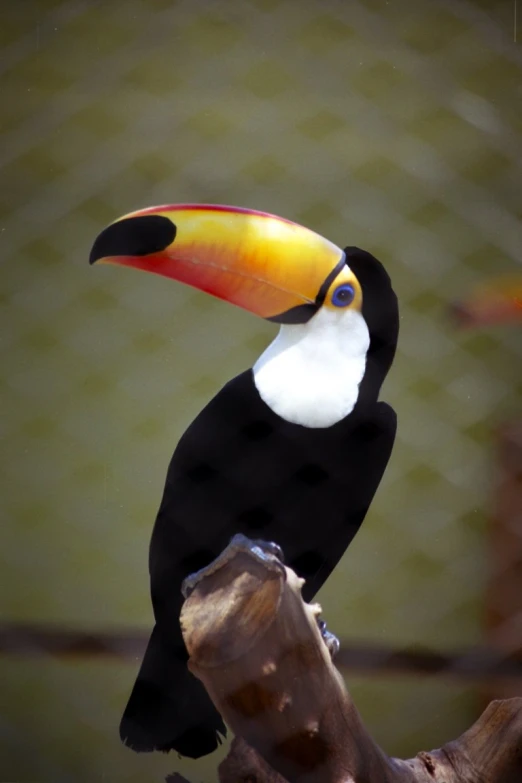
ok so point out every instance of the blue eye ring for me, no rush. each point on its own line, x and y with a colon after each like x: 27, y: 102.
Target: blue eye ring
x: 343, y: 295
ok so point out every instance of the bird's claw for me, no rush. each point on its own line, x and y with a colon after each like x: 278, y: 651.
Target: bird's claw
x: 271, y: 548
x: 330, y: 639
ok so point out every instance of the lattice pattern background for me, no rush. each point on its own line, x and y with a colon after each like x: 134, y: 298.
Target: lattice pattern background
x: 393, y: 125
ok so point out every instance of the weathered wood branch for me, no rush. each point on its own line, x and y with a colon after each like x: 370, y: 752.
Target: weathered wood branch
x: 258, y: 649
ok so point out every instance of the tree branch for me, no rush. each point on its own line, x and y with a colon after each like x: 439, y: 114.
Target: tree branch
x: 260, y: 653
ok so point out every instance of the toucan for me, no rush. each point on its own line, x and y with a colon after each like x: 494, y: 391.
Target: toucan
x: 292, y: 450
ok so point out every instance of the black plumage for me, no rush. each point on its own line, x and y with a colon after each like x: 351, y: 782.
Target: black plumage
x: 241, y: 468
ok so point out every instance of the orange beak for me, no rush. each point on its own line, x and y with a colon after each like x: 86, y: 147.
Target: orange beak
x: 498, y: 301
x: 270, y: 266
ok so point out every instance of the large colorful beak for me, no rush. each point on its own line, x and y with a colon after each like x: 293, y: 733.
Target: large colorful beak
x: 270, y: 266
x: 498, y: 301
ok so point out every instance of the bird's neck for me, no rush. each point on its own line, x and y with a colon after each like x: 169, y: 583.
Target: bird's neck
x: 310, y: 374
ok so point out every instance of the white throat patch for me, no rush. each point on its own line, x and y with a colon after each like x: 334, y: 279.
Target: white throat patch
x: 310, y: 374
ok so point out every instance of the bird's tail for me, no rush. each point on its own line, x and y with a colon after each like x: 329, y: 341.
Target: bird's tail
x: 169, y: 708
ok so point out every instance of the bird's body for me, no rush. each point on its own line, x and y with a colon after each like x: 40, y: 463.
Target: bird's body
x: 241, y: 468
x: 291, y: 451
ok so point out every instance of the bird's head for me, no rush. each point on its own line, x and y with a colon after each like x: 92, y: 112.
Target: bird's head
x: 270, y: 266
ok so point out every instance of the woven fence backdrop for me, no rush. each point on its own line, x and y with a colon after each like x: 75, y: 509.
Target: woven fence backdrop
x: 392, y: 125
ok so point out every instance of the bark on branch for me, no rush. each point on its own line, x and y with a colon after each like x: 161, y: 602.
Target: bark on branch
x: 260, y: 653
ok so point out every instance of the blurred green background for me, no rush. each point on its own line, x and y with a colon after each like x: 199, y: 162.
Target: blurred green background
x: 395, y: 126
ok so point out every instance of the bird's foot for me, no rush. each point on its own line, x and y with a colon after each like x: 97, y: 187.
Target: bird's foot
x: 330, y: 639
x: 270, y: 547
x: 266, y: 552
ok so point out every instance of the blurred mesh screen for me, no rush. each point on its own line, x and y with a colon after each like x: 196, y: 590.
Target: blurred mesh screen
x: 395, y: 126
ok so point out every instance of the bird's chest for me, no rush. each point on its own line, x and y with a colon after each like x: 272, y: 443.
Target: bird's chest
x: 315, y: 393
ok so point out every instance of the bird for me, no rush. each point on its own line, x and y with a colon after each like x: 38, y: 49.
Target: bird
x: 291, y: 450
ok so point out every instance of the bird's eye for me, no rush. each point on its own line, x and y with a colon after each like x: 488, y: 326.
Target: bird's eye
x: 343, y: 296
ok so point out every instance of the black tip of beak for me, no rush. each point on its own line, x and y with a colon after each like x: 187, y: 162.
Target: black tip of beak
x: 134, y: 236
